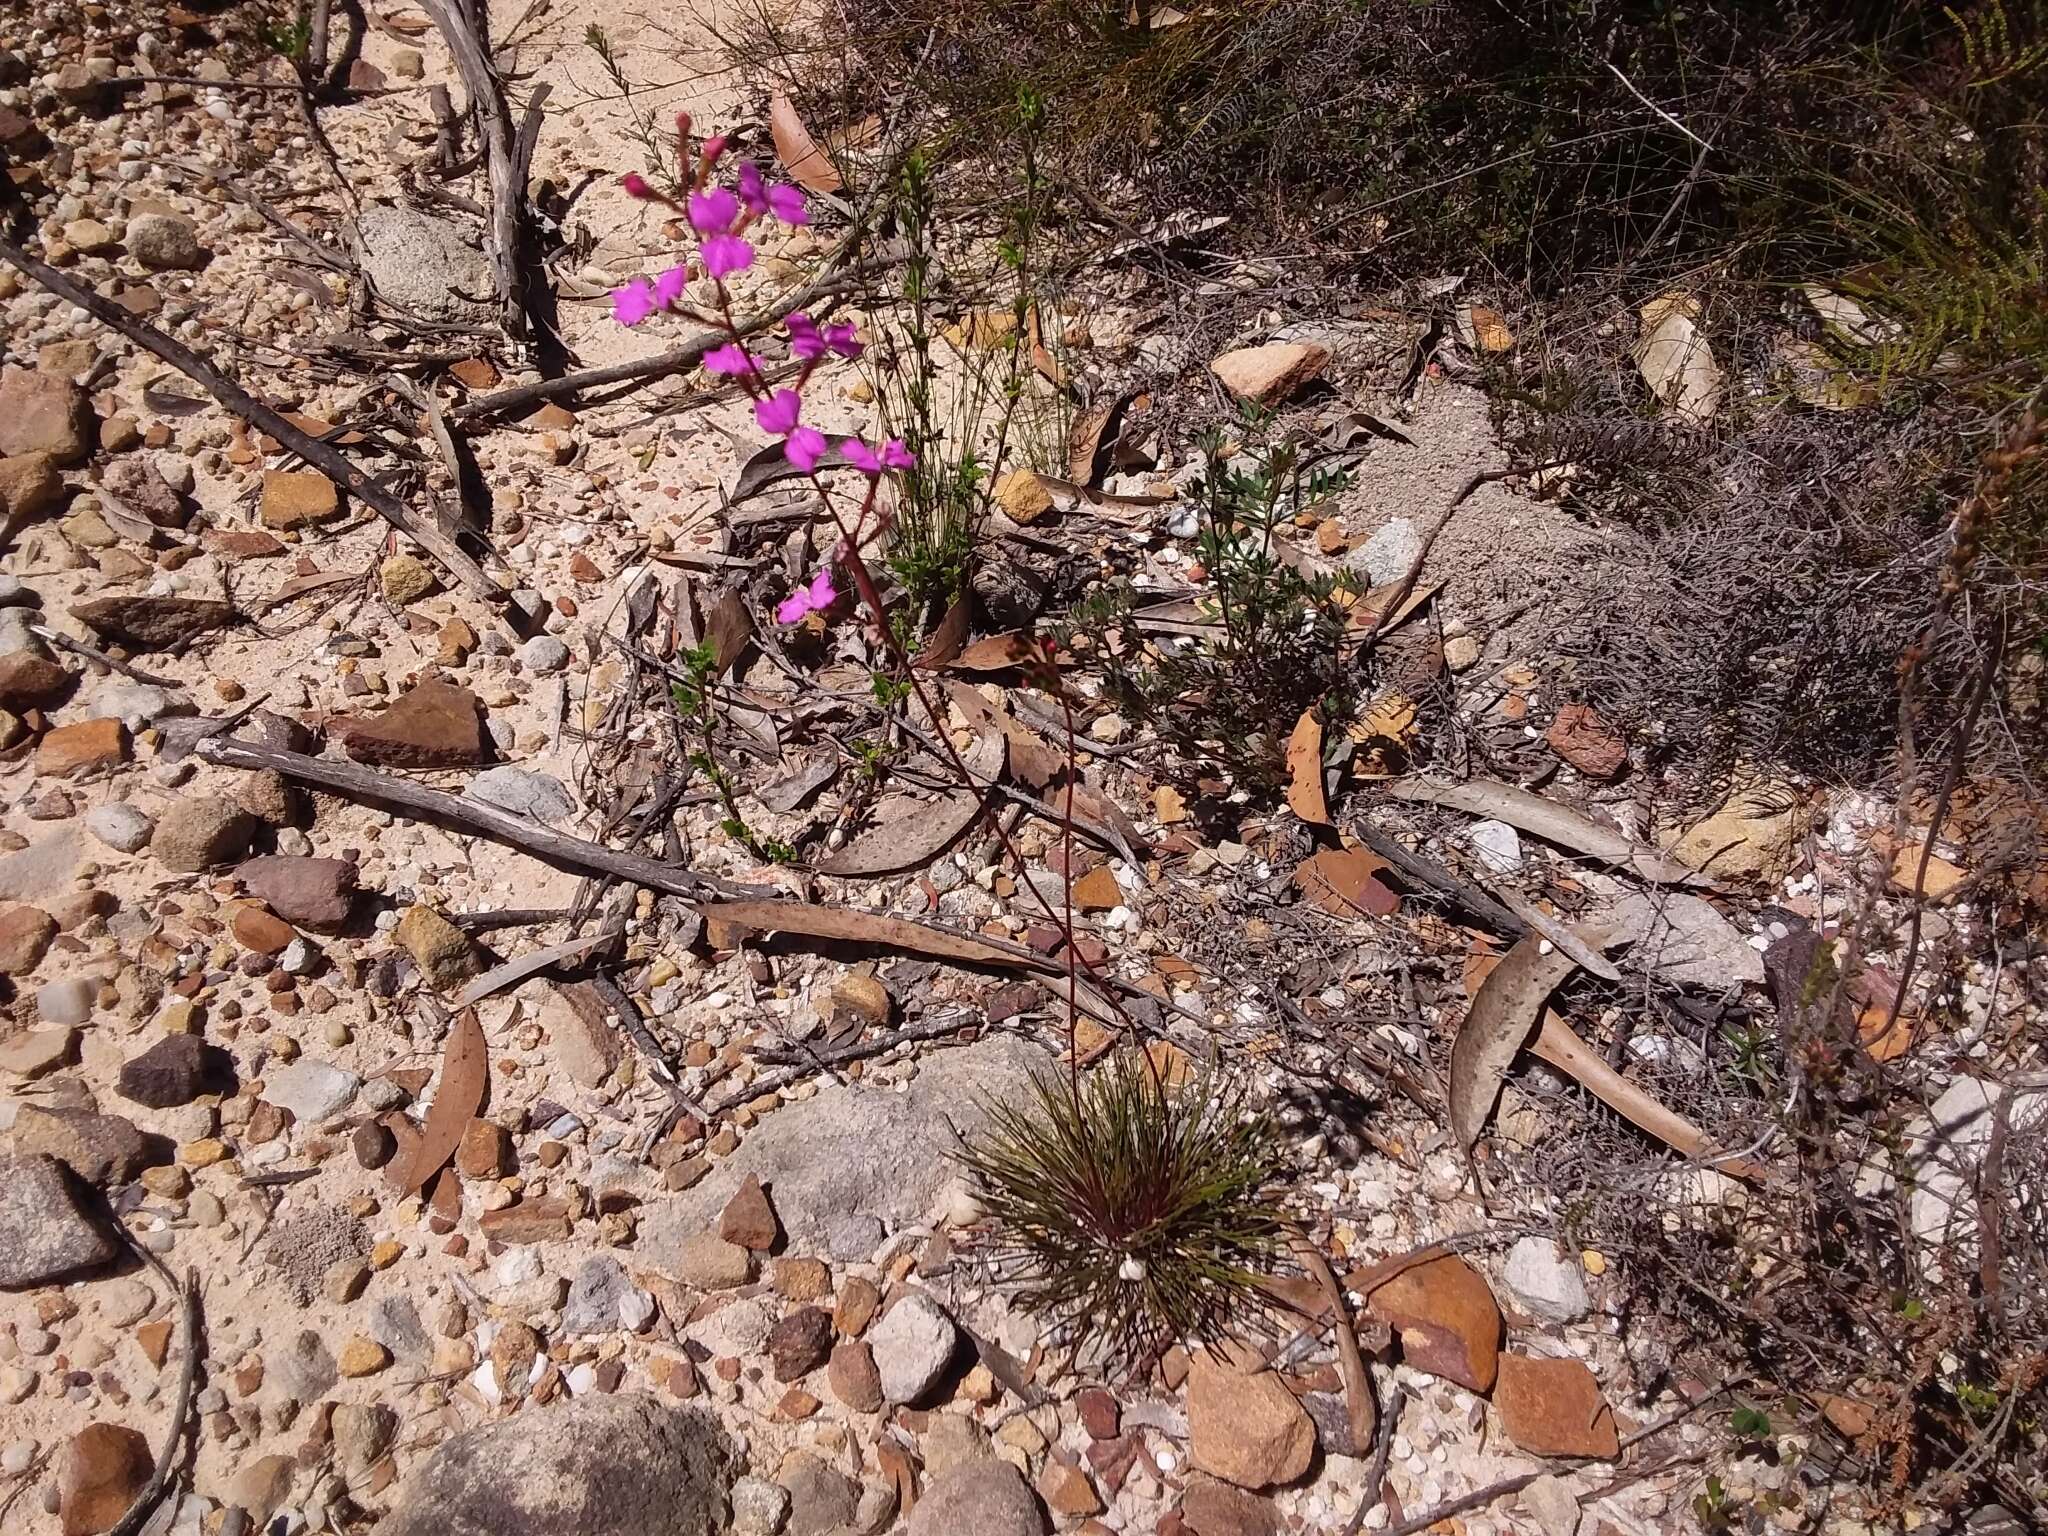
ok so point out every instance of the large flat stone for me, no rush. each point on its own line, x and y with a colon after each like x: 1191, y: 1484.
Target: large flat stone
x: 854, y: 1157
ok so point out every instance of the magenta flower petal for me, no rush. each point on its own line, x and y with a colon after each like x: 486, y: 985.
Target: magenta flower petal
x: 726, y: 254
x: 778, y: 413
x: 861, y: 456
x: 815, y: 597
x: 714, y: 146
x: 753, y: 190
x: 731, y: 360
x: 669, y: 286
x: 636, y: 185
x: 713, y: 210
x: 805, y: 447
x: 634, y: 302
x: 787, y: 204
x: 805, y: 343
x: 843, y: 339
x: 896, y: 456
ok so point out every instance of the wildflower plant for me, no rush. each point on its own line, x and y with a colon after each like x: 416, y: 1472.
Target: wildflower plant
x: 722, y: 217
x: 959, y: 435
x: 1280, y: 642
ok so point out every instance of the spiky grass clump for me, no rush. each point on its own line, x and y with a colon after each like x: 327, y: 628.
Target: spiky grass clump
x: 1138, y: 1214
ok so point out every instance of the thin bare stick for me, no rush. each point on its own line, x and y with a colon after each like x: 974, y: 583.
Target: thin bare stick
x: 1393, y: 605
x: 507, y: 241
x: 93, y: 653
x: 316, y: 45
x: 857, y: 1050
x: 1639, y: 96
x: 1952, y: 775
x: 188, y: 1383
x: 329, y: 461
x: 712, y: 898
x: 473, y: 815
x: 676, y: 359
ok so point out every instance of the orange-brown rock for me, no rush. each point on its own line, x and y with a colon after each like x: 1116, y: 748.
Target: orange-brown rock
x: 1555, y: 1408
x: 1447, y: 1320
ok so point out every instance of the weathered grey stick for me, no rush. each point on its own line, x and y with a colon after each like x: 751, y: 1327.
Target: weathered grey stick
x: 676, y: 359
x: 474, y: 815
x: 508, y: 189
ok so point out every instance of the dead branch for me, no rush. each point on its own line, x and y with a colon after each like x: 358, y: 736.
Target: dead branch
x: 619, y: 1009
x: 329, y: 461
x: 334, y: 261
x: 507, y: 917
x: 316, y: 44
x: 857, y: 1050
x: 93, y: 653
x: 188, y: 1384
x: 362, y: 783
x: 710, y: 898
x: 507, y: 235
x: 677, y: 358
x: 1470, y: 898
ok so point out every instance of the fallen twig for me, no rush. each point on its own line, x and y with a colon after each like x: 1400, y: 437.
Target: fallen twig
x: 506, y: 917
x: 1386, y: 618
x: 626, y: 1013
x: 329, y: 461
x: 93, y: 653
x: 1383, y: 1450
x: 472, y: 815
x: 676, y: 359
x: 856, y: 1050
x: 507, y: 236
x: 1426, y: 870
x: 188, y: 1384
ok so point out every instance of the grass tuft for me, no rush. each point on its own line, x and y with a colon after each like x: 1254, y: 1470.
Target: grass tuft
x: 1137, y: 1213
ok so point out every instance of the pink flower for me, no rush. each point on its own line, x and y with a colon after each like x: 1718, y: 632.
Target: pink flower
x: 893, y: 455
x: 778, y: 412
x: 804, y: 341
x: 732, y: 360
x: 805, y: 446
x: 634, y: 302
x: 636, y: 185
x: 726, y: 254
x: 787, y: 204
x: 713, y: 148
x: 713, y: 210
x: 753, y: 190
x: 814, y: 598
x: 669, y: 285
x: 843, y: 339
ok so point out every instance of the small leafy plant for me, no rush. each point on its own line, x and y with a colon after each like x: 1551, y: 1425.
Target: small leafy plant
x: 958, y: 436
x: 696, y: 704
x: 1142, y: 1213
x: 291, y: 40
x: 1280, y: 641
